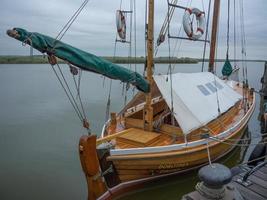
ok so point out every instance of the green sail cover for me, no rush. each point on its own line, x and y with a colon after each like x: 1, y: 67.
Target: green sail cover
x: 81, y: 59
x: 227, y: 68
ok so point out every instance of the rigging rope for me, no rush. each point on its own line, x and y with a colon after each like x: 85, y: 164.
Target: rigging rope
x: 250, y: 161
x: 164, y: 28
x: 145, y: 66
x: 170, y: 68
x: 110, y: 86
x: 135, y: 52
x: 176, y: 41
x: 52, y: 59
x: 235, y: 65
x: 79, y: 79
x: 71, y: 20
x: 68, y: 89
x: 228, y: 29
x: 120, y: 4
x: 206, y: 35
x: 79, y: 96
x: 228, y: 143
x: 108, y: 102
x: 66, y: 92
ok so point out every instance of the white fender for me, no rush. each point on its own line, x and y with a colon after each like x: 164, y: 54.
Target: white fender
x: 121, y: 24
x: 194, y: 34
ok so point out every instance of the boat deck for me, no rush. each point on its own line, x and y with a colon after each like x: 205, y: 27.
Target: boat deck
x: 135, y: 137
x: 128, y: 132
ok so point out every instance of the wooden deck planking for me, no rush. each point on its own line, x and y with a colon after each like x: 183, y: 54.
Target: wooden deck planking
x: 261, y: 175
x: 258, y: 189
x: 249, y: 195
x: 264, y: 169
x: 216, y: 126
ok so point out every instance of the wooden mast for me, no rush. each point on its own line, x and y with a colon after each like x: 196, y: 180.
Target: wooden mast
x: 216, y: 14
x: 148, y: 111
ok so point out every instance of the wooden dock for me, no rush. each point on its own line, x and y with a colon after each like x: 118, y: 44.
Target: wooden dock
x: 263, y: 101
x: 256, y: 185
x: 255, y: 188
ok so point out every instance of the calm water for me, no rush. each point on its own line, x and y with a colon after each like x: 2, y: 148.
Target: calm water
x: 39, y: 133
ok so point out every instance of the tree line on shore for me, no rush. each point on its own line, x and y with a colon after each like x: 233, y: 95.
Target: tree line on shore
x: 39, y: 59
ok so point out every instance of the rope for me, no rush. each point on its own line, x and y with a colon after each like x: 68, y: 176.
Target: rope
x: 208, y: 151
x: 170, y: 68
x: 135, y: 51
x: 206, y: 35
x: 68, y: 88
x: 217, y: 96
x: 109, y: 101
x: 130, y: 43
x: 79, y: 97
x: 256, y: 159
x: 73, y: 105
x: 120, y: 4
x: 228, y: 29
x: 110, y: 86
x: 164, y: 28
x: 234, y: 144
x: 70, y: 22
x: 261, y: 136
x: 176, y: 42
x: 79, y: 80
x: 243, y: 40
x: 145, y: 66
x: 235, y: 34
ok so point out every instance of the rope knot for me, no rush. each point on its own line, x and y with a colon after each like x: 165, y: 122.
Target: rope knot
x: 73, y: 70
x: 52, y: 59
x: 86, y: 124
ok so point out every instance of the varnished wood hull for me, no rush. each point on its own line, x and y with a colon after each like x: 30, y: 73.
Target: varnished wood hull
x: 220, y: 151
x: 137, y: 167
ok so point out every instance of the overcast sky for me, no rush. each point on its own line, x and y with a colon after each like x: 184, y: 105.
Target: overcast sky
x: 95, y: 29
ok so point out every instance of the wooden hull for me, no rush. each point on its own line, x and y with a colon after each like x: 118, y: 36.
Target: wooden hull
x: 138, y: 167
x: 129, y: 185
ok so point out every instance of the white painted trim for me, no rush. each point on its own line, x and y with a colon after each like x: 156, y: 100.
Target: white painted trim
x: 104, y: 128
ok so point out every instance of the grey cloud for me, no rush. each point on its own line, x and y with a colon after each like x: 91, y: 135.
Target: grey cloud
x: 94, y: 30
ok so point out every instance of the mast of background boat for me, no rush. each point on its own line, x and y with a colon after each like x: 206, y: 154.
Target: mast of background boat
x: 148, y: 111
x: 216, y: 14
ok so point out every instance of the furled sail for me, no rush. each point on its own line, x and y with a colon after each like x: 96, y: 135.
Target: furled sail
x: 196, y: 98
x: 79, y: 58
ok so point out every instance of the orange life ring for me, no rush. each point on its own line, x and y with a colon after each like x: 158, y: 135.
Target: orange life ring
x: 200, y: 17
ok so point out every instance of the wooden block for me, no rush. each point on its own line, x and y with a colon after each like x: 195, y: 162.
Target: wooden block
x: 138, y: 137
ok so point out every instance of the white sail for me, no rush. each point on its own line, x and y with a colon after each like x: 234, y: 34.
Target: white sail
x: 196, y: 97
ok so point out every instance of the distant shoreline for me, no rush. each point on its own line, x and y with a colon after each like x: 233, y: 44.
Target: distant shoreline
x: 39, y: 59
x: 121, y: 60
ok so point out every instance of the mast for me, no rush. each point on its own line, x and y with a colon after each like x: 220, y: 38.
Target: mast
x: 216, y: 14
x: 148, y: 110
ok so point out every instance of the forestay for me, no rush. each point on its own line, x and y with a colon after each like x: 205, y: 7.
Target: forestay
x: 196, y: 97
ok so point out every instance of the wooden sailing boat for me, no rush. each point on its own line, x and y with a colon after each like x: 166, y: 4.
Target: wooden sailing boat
x: 167, y: 128
x: 142, y: 142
